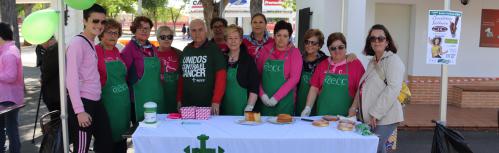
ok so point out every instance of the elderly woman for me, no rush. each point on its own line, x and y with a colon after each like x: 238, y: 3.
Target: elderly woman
x: 11, y: 87
x: 169, y: 58
x: 112, y: 73
x: 280, y: 66
x: 141, y: 59
x: 335, y: 81
x: 218, y: 26
x: 380, y: 86
x: 242, y: 76
x: 259, y: 35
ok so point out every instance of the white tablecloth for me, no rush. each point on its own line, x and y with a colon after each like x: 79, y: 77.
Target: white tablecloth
x: 172, y: 136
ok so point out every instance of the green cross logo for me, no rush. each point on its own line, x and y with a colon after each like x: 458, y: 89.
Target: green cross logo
x: 202, y: 149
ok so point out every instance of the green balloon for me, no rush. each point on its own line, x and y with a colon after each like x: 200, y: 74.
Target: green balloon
x: 40, y: 26
x: 80, y: 4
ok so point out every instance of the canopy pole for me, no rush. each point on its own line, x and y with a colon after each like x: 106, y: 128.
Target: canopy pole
x: 62, y: 72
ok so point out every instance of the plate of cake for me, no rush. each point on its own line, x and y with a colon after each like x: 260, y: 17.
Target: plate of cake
x: 250, y: 118
x: 281, y: 119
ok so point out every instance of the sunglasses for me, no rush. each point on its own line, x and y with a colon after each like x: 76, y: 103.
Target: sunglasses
x: 377, y: 39
x: 314, y: 43
x: 96, y: 21
x: 341, y: 47
x: 165, y: 37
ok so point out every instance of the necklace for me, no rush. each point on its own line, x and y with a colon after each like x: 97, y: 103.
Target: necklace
x: 233, y: 58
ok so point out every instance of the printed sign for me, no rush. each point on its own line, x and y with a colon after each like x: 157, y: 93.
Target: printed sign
x: 489, y: 28
x: 444, y: 29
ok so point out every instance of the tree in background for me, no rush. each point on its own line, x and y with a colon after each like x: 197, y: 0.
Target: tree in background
x: 289, y: 4
x: 175, y: 12
x: 255, y: 6
x: 154, y: 9
x: 9, y: 15
x: 212, y: 9
x: 114, y: 7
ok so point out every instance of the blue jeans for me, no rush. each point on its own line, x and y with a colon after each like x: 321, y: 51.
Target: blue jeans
x: 9, y: 121
x: 384, y: 132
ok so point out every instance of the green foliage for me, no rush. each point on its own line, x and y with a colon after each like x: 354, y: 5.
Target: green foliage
x: 116, y: 6
x: 289, y: 4
x: 36, y: 7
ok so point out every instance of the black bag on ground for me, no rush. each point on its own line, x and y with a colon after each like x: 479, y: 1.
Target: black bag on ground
x: 52, y: 133
x: 446, y: 140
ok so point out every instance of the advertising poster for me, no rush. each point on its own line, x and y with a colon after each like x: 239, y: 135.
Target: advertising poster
x: 444, y: 29
x: 489, y: 30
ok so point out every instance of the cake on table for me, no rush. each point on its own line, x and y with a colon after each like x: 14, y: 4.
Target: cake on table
x: 252, y: 116
x: 284, y: 118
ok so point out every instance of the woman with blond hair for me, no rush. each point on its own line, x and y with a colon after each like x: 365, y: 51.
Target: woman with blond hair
x: 242, y: 76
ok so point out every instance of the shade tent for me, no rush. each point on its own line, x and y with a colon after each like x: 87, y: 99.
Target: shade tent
x: 32, y: 1
x: 62, y: 54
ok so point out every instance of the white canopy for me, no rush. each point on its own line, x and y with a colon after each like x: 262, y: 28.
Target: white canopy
x: 31, y: 1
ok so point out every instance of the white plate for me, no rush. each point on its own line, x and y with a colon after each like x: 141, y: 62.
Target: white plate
x: 244, y: 122
x: 274, y: 120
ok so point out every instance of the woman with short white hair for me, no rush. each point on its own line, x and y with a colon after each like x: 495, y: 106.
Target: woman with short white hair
x: 169, y: 60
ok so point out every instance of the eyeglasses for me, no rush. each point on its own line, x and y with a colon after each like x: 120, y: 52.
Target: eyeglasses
x: 96, y: 21
x: 144, y: 29
x: 165, y: 37
x: 314, y: 43
x: 113, y: 33
x: 341, y: 47
x: 377, y: 39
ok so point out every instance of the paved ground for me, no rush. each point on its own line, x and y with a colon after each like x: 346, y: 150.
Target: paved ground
x: 411, y: 140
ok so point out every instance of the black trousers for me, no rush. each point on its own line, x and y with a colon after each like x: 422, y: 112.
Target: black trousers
x: 100, y: 129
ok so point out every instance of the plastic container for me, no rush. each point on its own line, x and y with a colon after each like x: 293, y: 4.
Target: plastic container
x: 150, y: 112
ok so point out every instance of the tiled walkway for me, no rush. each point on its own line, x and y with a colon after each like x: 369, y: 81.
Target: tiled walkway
x: 419, y: 116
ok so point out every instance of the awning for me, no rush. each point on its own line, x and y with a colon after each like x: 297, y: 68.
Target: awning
x: 32, y: 1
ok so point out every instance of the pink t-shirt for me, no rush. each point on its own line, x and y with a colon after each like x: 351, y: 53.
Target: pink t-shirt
x: 11, y: 74
x: 82, y: 75
x: 292, y: 68
x: 355, y: 72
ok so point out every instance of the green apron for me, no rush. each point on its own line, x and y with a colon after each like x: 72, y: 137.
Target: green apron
x: 303, y: 89
x: 170, y: 88
x: 236, y: 97
x: 334, y: 98
x: 149, y: 88
x: 272, y: 80
x: 116, y: 99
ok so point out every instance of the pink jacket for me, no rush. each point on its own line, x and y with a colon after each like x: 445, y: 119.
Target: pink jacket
x: 292, y: 68
x: 82, y: 76
x: 11, y: 74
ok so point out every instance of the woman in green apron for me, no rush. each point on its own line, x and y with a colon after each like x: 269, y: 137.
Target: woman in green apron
x: 115, y: 93
x: 169, y: 59
x: 335, y: 81
x: 280, y: 66
x: 242, y: 76
x: 140, y: 57
x: 314, y: 39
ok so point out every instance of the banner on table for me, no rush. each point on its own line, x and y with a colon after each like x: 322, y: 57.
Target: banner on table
x: 444, y: 29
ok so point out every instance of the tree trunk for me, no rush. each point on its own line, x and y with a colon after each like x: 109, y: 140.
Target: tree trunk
x: 9, y: 15
x: 174, y: 19
x: 211, y: 10
x: 28, y: 8
x: 255, y: 7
